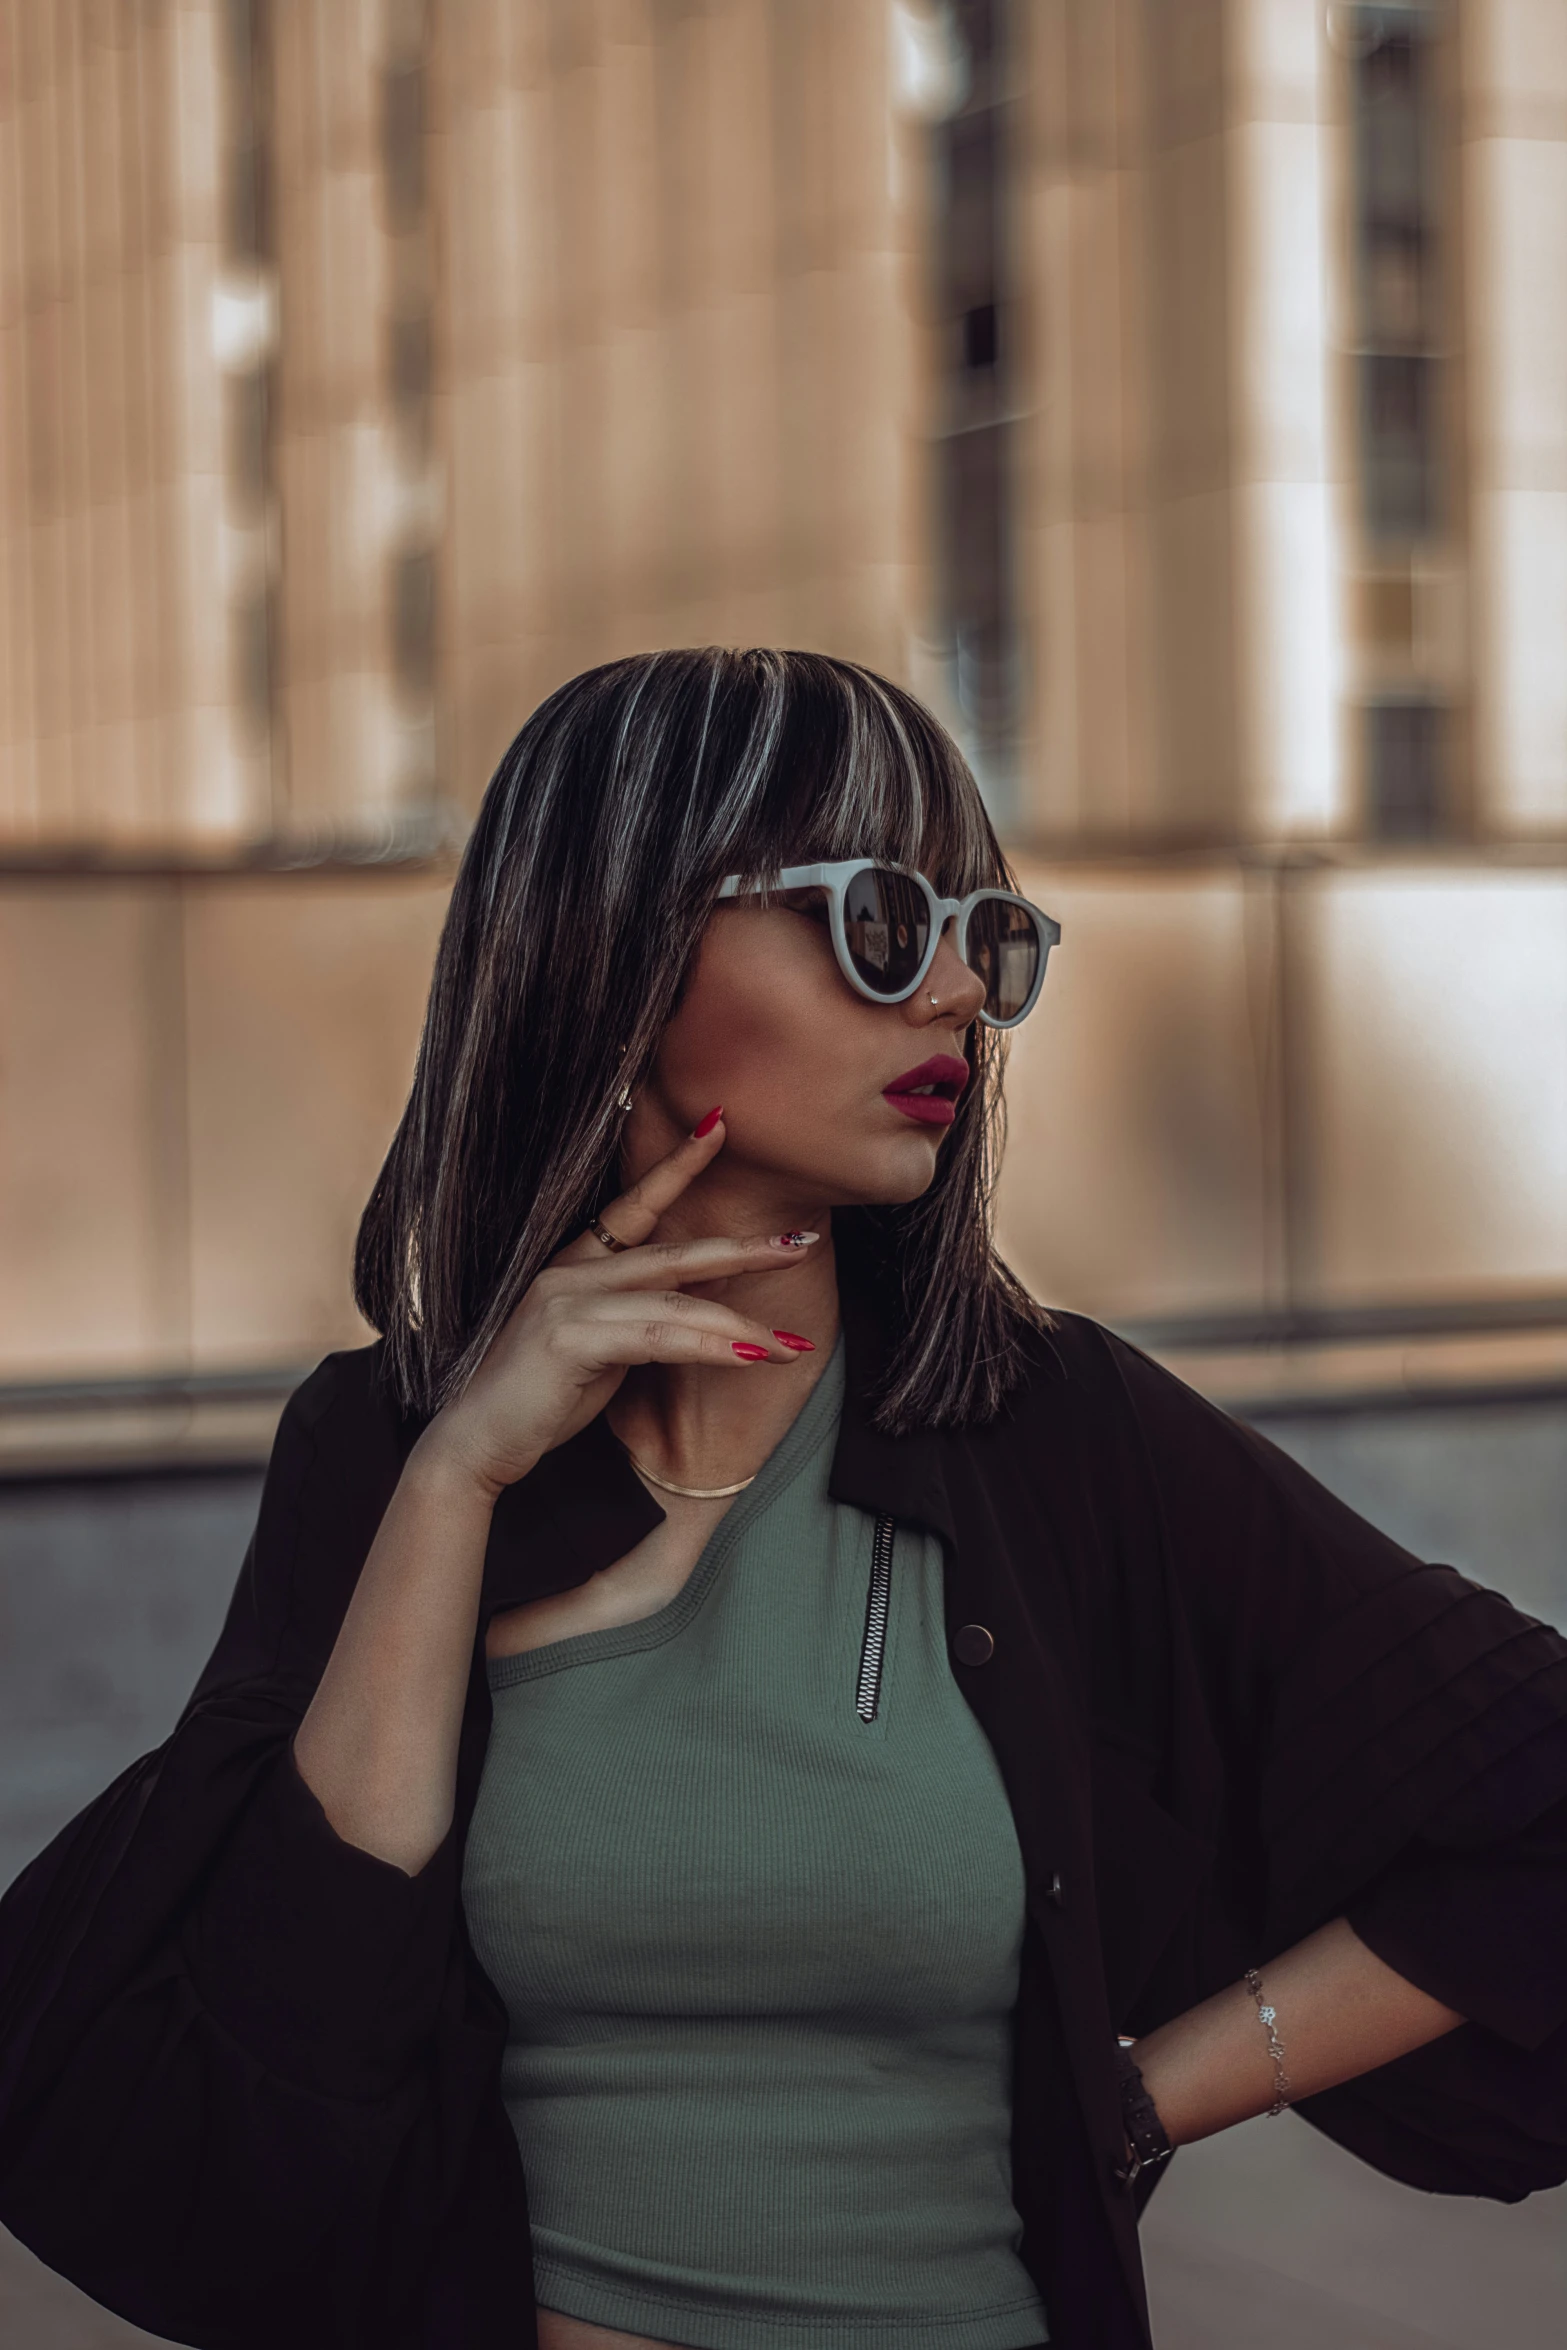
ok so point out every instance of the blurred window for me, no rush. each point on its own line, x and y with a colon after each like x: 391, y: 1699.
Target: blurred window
x: 402, y: 141
x: 413, y: 621
x: 410, y: 369
x: 1404, y: 161
x: 253, y: 622
x: 977, y: 613
x: 249, y: 414
x: 1397, y: 394
x: 1404, y: 770
x: 245, y: 320
x: 1396, y: 143
x: 247, y: 158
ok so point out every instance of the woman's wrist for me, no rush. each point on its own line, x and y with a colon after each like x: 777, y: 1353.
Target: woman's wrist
x: 1328, y: 2010
x: 441, y: 1465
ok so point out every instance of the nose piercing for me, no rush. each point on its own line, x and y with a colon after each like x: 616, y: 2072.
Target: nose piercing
x: 932, y: 999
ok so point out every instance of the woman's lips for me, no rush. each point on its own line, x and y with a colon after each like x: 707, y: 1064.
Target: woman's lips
x: 929, y: 1093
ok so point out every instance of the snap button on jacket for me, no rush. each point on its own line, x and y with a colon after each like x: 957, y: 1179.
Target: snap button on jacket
x: 249, y: 2074
x: 973, y: 1644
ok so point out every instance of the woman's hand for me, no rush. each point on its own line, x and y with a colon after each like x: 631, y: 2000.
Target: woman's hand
x: 378, y: 1742
x: 589, y: 1316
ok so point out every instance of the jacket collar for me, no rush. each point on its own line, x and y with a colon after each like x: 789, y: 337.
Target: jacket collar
x: 584, y: 1506
x: 900, y: 1477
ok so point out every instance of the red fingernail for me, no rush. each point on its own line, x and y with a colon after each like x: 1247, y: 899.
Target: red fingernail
x: 708, y: 1123
x: 802, y: 1346
x: 747, y: 1352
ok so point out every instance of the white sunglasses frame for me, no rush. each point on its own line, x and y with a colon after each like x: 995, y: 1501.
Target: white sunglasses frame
x: 835, y: 879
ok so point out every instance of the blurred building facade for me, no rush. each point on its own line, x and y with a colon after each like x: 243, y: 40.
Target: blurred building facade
x: 1176, y: 394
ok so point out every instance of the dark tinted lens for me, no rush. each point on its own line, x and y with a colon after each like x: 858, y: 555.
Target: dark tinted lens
x: 1004, y: 948
x: 886, y: 920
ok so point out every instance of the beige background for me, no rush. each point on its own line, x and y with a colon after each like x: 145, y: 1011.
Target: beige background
x: 575, y: 328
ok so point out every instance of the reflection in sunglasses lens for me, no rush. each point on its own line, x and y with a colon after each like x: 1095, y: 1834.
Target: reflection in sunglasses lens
x: 886, y: 923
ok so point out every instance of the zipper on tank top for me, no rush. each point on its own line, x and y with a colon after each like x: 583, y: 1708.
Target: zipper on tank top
x: 873, y: 1646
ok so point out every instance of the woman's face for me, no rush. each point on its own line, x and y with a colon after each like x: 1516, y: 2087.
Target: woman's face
x: 807, y: 1071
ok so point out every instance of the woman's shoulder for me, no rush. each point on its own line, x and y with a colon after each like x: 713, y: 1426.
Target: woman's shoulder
x: 341, y: 1426
x: 351, y: 1382
x: 1073, y: 1362
x: 1068, y: 1359
x: 1130, y: 1423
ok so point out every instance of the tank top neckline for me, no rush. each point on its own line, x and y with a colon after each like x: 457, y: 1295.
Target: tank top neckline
x: 795, y: 1449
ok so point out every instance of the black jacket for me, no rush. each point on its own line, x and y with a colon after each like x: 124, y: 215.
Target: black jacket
x: 249, y: 2084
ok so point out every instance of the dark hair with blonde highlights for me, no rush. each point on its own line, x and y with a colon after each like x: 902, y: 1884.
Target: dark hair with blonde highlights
x: 578, y: 908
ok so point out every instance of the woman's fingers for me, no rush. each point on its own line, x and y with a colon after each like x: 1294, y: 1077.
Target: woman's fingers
x: 677, y: 1264
x: 668, y: 1327
x: 632, y: 1216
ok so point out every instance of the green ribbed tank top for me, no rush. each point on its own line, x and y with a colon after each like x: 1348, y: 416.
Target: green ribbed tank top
x: 760, y: 1954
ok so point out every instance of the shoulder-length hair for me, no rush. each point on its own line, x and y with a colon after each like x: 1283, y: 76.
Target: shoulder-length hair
x: 578, y: 908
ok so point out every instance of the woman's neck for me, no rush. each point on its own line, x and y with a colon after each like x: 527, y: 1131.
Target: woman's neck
x: 709, y: 1425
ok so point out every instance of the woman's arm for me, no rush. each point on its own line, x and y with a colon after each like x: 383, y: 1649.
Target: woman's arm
x: 1340, y: 2012
x: 1392, y: 1741
x: 378, y: 1743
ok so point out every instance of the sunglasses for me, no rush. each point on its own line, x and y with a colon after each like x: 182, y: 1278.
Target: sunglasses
x: 886, y: 924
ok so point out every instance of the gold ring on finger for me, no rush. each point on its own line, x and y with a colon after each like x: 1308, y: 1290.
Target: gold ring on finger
x: 596, y: 1227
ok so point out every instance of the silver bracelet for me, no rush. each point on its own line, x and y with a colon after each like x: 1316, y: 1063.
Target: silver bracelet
x: 1269, y: 2016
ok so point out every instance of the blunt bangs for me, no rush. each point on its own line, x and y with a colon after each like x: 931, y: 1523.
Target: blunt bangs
x: 858, y: 768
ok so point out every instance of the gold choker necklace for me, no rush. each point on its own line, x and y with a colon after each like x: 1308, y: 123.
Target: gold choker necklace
x: 691, y: 1492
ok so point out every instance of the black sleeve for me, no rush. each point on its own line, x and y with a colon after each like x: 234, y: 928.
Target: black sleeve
x: 218, y: 2020
x: 1393, y: 1739
x: 1482, y: 1928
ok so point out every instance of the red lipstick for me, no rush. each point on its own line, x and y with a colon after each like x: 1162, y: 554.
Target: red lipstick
x: 929, y: 1093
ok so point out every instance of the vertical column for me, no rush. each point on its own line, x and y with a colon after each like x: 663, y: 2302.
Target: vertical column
x: 360, y: 499
x: 1289, y: 522
x: 45, y: 426
x: 330, y: 453
x: 1079, y: 188
x: 853, y: 406
x: 114, y: 283
x: 679, y: 389
x: 244, y: 346
x: 1515, y: 174
x: 492, y: 148
x: 1400, y: 254
x: 1192, y: 332
x: 215, y: 751
x: 975, y: 349
x: 139, y: 339
x: 728, y: 347
x: 119, y: 705
x: 21, y: 779
x: 417, y: 501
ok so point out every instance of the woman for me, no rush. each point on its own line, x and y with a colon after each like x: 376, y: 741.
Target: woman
x: 731, y: 1713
